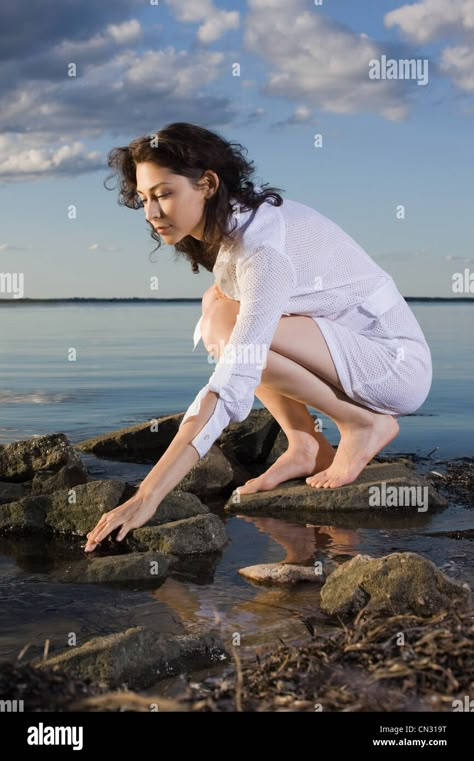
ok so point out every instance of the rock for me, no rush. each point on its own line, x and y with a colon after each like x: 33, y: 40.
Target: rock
x: 191, y: 536
x: 210, y: 476
x: 11, y: 492
x: 27, y: 516
x: 138, y: 657
x: 176, y: 506
x: 281, y: 573
x: 374, y: 487
x: 279, y: 447
x: 402, y: 582
x: 49, y: 482
x: 251, y: 440
x: 21, y: 460
x: 145, y: 442
x: 149, y: 567
x: 182, y: 525
x: 54, y: 512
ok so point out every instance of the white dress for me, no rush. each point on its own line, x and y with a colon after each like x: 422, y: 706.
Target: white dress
x: 291, y: 259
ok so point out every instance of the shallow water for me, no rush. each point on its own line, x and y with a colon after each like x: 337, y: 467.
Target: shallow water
x: 209, y: 592
x: 134, y: 363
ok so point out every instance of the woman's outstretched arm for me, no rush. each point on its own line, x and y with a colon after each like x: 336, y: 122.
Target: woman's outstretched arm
x: 170, y: 469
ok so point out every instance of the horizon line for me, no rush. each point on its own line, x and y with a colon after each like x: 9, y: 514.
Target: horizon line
x: 122, y: 299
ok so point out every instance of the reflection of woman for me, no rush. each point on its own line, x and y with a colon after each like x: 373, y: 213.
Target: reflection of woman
x: 301, y: 542
x: 310, y: 318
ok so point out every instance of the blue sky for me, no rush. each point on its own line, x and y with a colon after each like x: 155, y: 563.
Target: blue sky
x: 303, y: 71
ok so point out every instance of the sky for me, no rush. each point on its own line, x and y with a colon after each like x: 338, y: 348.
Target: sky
x: 393, y: 166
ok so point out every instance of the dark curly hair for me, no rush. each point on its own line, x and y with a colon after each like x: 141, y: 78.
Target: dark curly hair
x: 190, y: 150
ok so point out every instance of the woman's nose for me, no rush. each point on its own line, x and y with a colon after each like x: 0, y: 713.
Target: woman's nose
x: 153, y: 211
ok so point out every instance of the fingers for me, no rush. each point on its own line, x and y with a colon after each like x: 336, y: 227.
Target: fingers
x: 101, y: 530
x: 108, y: 523
x: 124, y: 531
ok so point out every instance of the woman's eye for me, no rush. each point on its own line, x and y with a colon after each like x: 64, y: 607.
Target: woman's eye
x: 144, y: 200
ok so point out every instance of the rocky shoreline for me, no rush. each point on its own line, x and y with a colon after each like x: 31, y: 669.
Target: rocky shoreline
x: 46, y: 491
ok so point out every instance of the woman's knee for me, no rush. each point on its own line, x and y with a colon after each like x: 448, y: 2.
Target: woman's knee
x: 218, y: 322
x: 208, y: 298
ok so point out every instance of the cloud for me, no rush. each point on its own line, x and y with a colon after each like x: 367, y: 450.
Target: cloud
x: 215, y: 22
x: 301, y: 115
x: 431, y: 19
x: 465, y: 260
x: 128, y: 81
x: 24, y: 157
x: 26, y: 31
x: 458, y: 63
x: 315, y: 60
x: 100, y: 247
x: 8, y: 247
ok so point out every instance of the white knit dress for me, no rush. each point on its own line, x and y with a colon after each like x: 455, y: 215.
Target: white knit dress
x: 291, y: 259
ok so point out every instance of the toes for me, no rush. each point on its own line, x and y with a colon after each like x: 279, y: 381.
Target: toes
x: 317, y: 480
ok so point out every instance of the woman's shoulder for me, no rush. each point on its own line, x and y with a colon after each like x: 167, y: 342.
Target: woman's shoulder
x: 262, y: 226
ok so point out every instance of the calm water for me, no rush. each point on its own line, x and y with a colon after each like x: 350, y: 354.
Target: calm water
x: 135, y: 362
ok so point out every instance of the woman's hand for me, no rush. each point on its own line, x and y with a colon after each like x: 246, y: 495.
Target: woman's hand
x: 132, y: 514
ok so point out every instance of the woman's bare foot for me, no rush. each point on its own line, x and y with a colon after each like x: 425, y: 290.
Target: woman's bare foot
x: 358, y: 445
x: 296, y: 462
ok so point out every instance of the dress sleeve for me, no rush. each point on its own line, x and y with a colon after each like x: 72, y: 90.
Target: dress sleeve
x: 266, y: 279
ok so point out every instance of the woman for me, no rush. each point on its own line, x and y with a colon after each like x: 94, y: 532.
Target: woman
x: 300, y: 315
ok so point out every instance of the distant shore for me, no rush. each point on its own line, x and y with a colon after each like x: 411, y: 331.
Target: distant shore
x: 191, y: 300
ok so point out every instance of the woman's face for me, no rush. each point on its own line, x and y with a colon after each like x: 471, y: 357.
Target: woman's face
x: 172, y: 204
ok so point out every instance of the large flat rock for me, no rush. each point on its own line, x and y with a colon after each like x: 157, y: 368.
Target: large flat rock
x: 138, y: 657
x: 142, y: 568
x: 381, y: 487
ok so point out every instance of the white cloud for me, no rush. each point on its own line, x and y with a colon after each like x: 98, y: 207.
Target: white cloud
x: 178, y: 71
x: 318, y: 61
x: 8, y: 247
x: 24, y: 157
x: 458, y: 63
x: 114, y: 34
x: 215, y: 22
x: 430, y: 19
x: 100, y: 247
x: 128, y: 31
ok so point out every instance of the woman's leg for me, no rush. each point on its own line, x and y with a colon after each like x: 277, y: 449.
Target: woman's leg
x: 303, y: 370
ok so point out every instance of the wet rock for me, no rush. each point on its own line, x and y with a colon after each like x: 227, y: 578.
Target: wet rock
x: 21, y: 460
x: 70, y: 511
x: 145, y: 442
x: 210, y: 476
x: 138, y: 657
x: 11, y: 492
x: 47, y: 482
x: 387, y: 487
x: 149, y: 567
x: 28, y: 516
x: 191, y: 536
x: 176, y: 506
x: 251, y: 440
x: 402, y: 582
x: 182, y: 525
x: 282, y: 573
